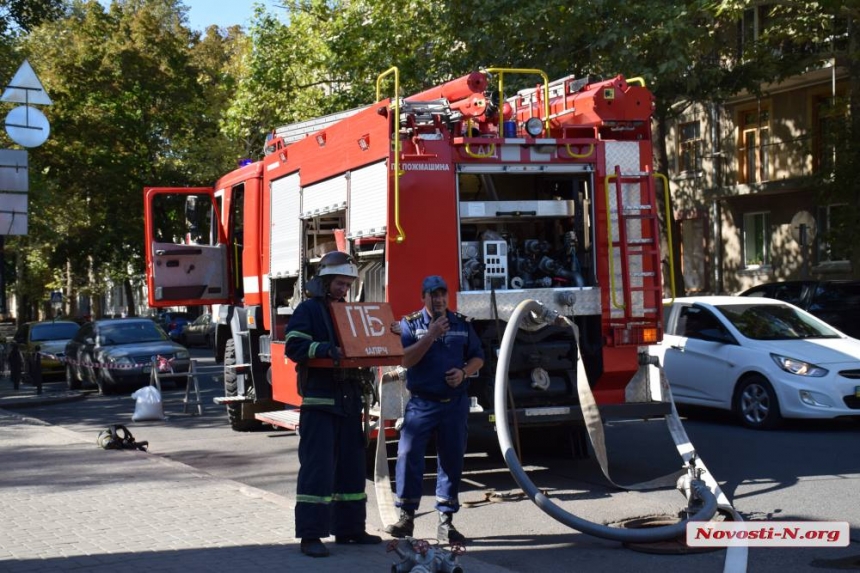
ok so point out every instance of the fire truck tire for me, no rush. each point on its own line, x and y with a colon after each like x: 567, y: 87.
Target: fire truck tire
x: 231, y: 390
x: 73, y: 381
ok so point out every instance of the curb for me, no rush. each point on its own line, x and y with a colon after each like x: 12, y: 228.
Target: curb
x: 14, y: 401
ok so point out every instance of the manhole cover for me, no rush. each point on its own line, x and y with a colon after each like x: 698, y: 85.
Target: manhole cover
x: 674, y: 546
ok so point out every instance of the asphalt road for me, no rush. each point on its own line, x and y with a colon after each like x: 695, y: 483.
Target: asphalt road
x: 806, y: 471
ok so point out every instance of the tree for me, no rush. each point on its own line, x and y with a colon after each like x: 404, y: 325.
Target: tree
x: 129, y: 106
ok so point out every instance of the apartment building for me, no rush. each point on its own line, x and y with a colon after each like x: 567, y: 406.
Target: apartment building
x: 745, y: 198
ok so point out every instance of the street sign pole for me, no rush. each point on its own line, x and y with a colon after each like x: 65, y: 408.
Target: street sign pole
x: 2, y: 275
x: 28, y: 127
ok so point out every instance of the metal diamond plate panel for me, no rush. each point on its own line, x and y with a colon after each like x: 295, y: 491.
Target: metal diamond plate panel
x: 625, y: 155
x: 479, y: 304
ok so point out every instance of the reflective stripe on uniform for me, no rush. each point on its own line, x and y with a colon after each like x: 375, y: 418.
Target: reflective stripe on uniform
x: 312, y: 352
x: 301, y: 498
x: 311, y: 401
x: 297, y: 334
x: 349, y: 497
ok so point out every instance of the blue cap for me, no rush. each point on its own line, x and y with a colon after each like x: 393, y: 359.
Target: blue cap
x: 433, y: 282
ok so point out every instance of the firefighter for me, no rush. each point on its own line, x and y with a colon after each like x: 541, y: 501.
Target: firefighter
x: 441, y: 351
x: 330, y: 494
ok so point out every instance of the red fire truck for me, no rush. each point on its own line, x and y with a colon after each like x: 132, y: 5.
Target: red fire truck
x: 547, y: 194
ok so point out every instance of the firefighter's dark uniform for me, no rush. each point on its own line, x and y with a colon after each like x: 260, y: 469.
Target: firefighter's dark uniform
x: 435, y: 409
x: 330, y: 496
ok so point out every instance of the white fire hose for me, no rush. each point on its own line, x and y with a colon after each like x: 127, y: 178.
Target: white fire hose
x: 699, y: 486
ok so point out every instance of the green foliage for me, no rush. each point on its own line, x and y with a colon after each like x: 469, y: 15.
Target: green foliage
x: 26, y: 15
x: 139, y: 99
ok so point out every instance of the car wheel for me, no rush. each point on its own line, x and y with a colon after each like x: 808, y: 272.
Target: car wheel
x: 231, y: 390
x: 72, y: 381
x: 756, y: 405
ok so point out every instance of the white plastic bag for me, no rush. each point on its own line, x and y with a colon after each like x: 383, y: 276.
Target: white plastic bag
x: 148, y: 405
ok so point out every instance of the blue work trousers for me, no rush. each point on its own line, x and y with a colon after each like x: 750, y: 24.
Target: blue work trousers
x: 330, y: 498
x: 424, y: 418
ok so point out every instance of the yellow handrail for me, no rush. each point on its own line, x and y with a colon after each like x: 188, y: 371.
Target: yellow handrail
x: 541, y: 73
x: 579, y: 155
x: 615, y: 303
x: 490, y: 153
x: 637, y: 80
x: 667, y: 202
x: 401, y: 236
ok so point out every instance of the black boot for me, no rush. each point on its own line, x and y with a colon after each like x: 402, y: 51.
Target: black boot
x: 313, y: 547
x: 405, y: 526
x: 363, y: 538
x: 446, y: 532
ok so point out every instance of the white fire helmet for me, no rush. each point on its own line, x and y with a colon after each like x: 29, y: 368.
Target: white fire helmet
x: 337, y: 263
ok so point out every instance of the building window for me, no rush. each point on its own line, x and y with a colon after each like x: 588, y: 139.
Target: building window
x: 756, y: 240
x: 830, y: 220
x: 754, y: 148
x: 690, y: 147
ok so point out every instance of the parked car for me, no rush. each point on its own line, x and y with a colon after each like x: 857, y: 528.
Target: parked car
x: 118, y: 353
x: 835, y: 302
x: 173, y: 322
x: 761, y: 358
x: 51, y: 337
x: 200, y: 332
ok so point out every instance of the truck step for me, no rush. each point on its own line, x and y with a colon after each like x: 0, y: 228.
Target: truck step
x: 231, y: 399
x: 288, y: 419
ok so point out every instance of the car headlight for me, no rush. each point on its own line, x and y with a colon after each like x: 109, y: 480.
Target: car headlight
x: 122, y: 360
x: 798, y: 367
x: 182, y: 354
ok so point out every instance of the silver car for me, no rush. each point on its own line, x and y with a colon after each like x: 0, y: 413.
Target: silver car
x: 119, y: 353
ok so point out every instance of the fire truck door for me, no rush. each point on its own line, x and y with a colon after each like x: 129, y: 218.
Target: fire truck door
x: 186, y: 254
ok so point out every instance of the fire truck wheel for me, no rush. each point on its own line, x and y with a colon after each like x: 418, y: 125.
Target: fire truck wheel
x: 72, y: 380
x: 231, y: 390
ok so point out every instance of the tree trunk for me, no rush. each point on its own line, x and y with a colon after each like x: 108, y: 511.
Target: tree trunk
x: 131, y: 307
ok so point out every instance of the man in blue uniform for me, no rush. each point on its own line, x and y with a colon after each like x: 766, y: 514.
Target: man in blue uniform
x: 330, y: 494
x: 441, y: 351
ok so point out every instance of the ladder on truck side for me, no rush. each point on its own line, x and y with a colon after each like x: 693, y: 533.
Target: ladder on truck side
x: 636, y: 285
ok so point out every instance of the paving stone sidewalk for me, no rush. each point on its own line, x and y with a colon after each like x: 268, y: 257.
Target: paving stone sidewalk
x: 68, y: 505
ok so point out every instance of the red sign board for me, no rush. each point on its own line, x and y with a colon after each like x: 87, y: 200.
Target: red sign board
x: 364, y: 335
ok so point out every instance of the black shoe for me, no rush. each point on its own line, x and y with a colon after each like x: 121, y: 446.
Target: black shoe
x: 313, y: 547
x: 446, y: 532
x: 363, y: 538
x: 405, y: 526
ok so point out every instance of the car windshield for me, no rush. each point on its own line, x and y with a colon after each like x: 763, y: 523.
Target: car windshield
x: 774, y: 322
x: 129, y: 333
x: 53, y: 331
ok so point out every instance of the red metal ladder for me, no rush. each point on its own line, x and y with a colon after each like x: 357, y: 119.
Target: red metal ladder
x: 638, y: 244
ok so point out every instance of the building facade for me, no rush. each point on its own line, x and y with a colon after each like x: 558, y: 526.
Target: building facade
x: 745, y: 197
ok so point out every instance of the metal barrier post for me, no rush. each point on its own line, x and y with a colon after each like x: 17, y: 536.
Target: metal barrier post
x: 192, y: 376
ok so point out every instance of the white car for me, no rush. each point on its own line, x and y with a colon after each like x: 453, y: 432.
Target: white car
x: 761, y: 358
